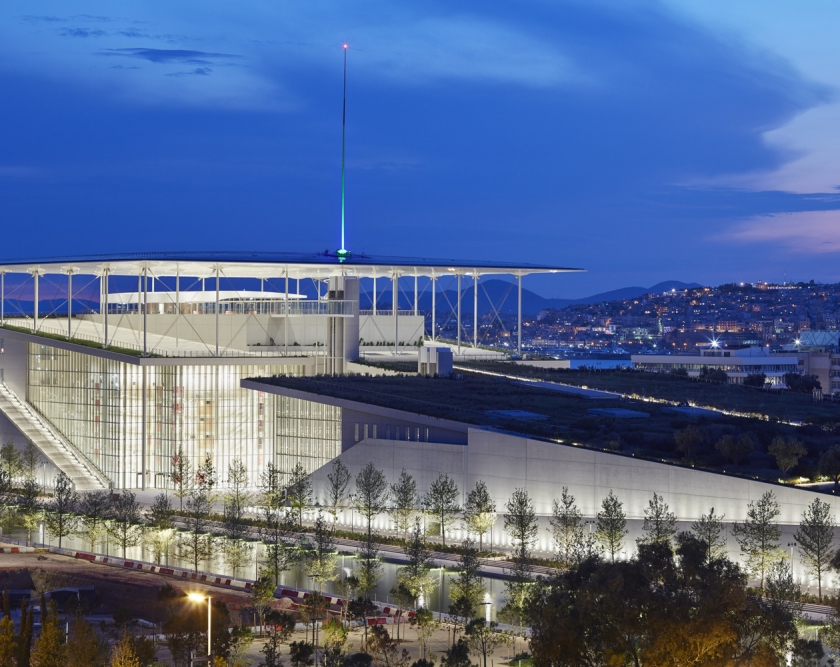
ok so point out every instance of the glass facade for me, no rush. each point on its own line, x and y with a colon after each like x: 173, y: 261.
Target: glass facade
x: 307, y: 432
x: 101, y: 407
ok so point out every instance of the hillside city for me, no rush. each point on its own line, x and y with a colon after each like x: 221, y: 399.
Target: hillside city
x: 678, y: 320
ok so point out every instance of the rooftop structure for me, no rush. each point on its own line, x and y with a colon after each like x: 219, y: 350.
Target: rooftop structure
x: 120, y: 362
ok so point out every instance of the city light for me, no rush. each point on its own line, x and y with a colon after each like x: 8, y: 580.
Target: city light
x: 196, y: 597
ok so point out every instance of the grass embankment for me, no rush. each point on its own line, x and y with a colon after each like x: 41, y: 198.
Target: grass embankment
x: 568, y: 417
x: 76, y: 341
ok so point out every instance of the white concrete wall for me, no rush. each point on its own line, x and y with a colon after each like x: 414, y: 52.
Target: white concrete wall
x: 13, y: 362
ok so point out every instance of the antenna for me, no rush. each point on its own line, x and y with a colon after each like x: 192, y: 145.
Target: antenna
x: 343, y: 252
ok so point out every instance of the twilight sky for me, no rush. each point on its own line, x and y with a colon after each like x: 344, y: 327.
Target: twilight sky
x: 644, y: 141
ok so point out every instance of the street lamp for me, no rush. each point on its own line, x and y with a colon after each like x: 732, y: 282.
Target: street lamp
x: 198, y: 597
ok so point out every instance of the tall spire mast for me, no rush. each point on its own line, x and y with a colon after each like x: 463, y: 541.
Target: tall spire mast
x: 343, y: 251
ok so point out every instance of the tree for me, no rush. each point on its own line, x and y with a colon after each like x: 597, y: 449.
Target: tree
x: 425, y: 624
x: 236, y: 548
x: 709, y: 529
x: 416, y: 576
x: 441, y: 502
x: 801, y: 383
x: 457, y: 655
x: 787, y: 452
x: 300, y: 654
x: 567, y: 529
x: 338, y: 481
x: 30, y: 461
x: 384, y: 650
x: 611, y: 527
x: 49, y: 649
x: 404, y: 500
x: 483, y: 638
x: 123, y: 654
x: 10, y: 460
x: 467, y: 587
x: 277, y: 528
x: 321, y: 556
x: 755, y: 380
x: 124, y: 520
x: 160, y: 529
x: 714, y: 375
x: 59, y: 514
x: 29, y: 507
x: 689, y: 440
x: 816, y: 539
x: 8, y: 642
x: 830, y: 465
x: 371, y: 497
x: 521, y: 521
x: 660, y: 522
x: 369, y: 570
x: 196, y: 544
x: 181, y: 476
x: 83, y: 648
x: 262, y: 595
x: 736, y: 450
x: 94, y: 509
x: 479, y: 511
x: 758, y: 536
x: 299, y: 491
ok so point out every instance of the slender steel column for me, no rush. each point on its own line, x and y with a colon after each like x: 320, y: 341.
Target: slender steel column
x: 35, y: 304
x: 2, y: 296
x: 475, y: 310
x: 459, y: 313
x: 145, y: 312
x: 374, y: 294
x: 434, y: 304
x: 395, y: 304
x: 69, y: 304
x: 143, y: 433
x: 415, y: 292
x: 286, y: 318
x: 217, y: 311
x: 104, y: 279
x: 519, y: 315
x: 178, y: 307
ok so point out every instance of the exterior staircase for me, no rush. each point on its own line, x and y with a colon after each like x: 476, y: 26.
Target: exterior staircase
x: 58, y: 451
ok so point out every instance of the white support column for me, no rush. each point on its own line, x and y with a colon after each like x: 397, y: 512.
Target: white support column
x: 104, y: 299
x: 434, y: 304
x: 217, y: 311
x: 2, y: 296
x: 475, y: 309
x: 143, y: 432
x: 395, y: 305
x: 415, y: 292
x: 374, y: 294
x: 35, y: 304
x: 286, y: 318
x: 519, y: 315
x: 177, y: 307
x: 69, y: 305
x: 145, y: 314
x: 459, y: 313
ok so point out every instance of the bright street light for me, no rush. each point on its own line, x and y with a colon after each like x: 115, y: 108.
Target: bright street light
x: 198, y: 597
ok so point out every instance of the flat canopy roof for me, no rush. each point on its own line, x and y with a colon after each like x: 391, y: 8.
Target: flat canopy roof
x: 267, y: 264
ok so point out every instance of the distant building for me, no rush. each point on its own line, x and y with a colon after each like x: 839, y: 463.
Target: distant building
x: 738, y: 363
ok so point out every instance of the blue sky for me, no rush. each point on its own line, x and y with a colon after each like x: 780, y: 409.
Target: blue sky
x: 644, y: 141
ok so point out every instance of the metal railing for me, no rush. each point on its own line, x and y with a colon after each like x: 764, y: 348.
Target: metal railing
x: 273, y: 307
x: 388, y: 313
x: 255, y: 351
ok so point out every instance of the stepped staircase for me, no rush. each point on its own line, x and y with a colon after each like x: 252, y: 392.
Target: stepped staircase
x: 63, y: 455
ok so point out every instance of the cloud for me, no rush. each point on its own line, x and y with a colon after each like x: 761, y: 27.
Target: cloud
x: 81, y: 32
x: 179, y: 56
x: 42, y: 19
x: 806, y: 232
x: 198, y: 71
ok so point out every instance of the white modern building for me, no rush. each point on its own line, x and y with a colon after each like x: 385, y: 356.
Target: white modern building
x: 112, y: 364
x: 738, y: 363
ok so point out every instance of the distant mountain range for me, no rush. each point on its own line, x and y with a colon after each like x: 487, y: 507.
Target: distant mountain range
x: 501, y: 293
